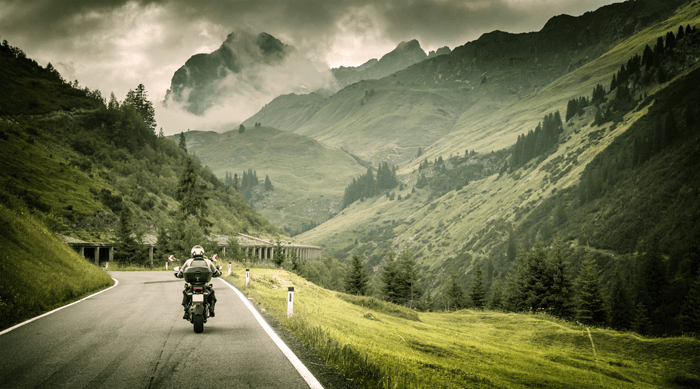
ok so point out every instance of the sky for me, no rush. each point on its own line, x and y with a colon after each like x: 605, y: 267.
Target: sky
x: 115, y: 45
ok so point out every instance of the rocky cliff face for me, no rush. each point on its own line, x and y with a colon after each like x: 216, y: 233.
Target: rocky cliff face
x: 403, y: 56
x: 243, y: 64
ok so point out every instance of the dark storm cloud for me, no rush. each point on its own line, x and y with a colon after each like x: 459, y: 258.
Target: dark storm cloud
x: 432, y: 20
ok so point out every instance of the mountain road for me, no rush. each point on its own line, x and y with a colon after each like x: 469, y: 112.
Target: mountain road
x: 133, y: 335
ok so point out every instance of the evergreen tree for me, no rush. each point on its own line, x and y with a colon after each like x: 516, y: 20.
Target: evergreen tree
x: 455, y: 293
x: 496, y: 302
x: 356, y: 277
x: 268, y: 183
x: 278, y: 257
x: 428, y: 303
x: 183, y: 142
x: 389, y: 277
x: 561, y: 296
x: 139, y: 100
x: 408, y: 280
x: 512, y: 249
x: 621, y: 309
x: 192, y: 194
x: 641, y: 324
x: 234, y: 183
x: 162, y: 243
x: 477, y: 294
x: 591, y: 309
x: 127, y: 249
x: 241, y: 129
x: 233, y: 249
x: 690, y: 313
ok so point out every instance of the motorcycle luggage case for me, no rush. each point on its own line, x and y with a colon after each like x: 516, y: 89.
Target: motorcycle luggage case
x: 198, y: 272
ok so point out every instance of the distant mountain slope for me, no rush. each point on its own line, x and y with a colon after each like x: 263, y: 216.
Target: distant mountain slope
x: 431, y: 100
x: 403, y: 56
x: 308, y: 176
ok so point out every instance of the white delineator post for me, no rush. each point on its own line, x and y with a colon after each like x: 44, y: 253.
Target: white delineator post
x: 166, y: 266
x: 247, y: 276
x: 290, y: 301
x: 229, y: 268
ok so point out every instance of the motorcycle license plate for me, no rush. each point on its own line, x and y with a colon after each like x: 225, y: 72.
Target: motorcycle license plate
x: 197, y: 298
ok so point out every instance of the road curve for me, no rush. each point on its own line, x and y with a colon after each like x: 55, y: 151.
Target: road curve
x: 134, y: 336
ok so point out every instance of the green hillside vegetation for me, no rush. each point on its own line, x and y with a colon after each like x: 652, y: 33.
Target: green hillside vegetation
x: 308, y: 177
x: 631, y: 210
x: 77, y: 170
x: 37, y: 271
x: 378, y: 344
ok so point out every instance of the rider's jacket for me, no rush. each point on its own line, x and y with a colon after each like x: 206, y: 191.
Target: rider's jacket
x: 188, y: 263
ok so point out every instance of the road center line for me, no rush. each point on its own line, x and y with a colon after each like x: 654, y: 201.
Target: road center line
x: 305, y: 373
x: 116, y: 282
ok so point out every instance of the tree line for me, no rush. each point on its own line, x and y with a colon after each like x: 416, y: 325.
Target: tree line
x: 368, y: 186
x: 537, y: 142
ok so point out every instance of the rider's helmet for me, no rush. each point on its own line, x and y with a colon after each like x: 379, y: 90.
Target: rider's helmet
x: 197, y: 252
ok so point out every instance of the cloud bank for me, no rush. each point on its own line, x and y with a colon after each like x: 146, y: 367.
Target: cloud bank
x: 114, y: 45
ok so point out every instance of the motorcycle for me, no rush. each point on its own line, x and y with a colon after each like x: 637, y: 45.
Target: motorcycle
x: 198, y: 288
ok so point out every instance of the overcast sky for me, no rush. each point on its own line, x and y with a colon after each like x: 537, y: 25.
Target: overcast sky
x: 114, y: 45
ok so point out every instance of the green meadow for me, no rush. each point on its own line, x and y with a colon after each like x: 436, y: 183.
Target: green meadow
x: 382, y: 345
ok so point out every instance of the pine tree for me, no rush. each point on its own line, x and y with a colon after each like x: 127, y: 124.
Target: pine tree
x: 591, y: 309
x: 127, y: 249
x: 477, y: 293
x: 641, y: 324
x: 162, y: 243
x: 690, y: 313
x: 496, y: 302
x: 183, y: 142
x: 455, y: 293
x: 356, y: 277
x: 268, y: 183
x: 139, y: 100
x: 233, y: 249
x: 408, y: 280
x: 192, y: 194
x: 278, y: 257
x: 428, y: 303
x: 241, y: 129
x: 389, y: 278
x: 621, y: 309
x: 561, y: 296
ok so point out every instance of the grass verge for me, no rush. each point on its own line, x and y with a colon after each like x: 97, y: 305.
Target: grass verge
x: 379, y: 345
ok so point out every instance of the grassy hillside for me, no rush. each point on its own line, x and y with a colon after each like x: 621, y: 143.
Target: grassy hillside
x: 38, y: 272
x: 378, y: 344
x: 308, y: 176
x: 76, y: 170
x: 453, y: 231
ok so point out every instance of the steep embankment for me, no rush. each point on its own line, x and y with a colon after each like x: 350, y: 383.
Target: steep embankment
x: 37, y: 271
x: 308, y: 177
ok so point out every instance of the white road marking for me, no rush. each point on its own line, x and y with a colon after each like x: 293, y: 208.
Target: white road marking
x: 305, y: 373
x: 116, y: 282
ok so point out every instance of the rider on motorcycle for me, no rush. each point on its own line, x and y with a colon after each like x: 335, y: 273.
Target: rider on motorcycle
x: 198, y: 254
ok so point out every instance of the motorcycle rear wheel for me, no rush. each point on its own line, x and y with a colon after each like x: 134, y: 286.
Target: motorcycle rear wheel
x: 198, y: 321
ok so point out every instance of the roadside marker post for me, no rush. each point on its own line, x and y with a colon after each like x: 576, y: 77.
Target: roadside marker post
x: 229, y: 268
x: 290, y: 301
x: 166, y: 266
x: 247, y: 277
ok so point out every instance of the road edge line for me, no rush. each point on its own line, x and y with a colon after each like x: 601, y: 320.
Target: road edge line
x: 116, y: 282
x: 296, y: 362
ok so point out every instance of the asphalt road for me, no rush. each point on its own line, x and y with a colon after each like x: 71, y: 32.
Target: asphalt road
x: 133, y: 335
